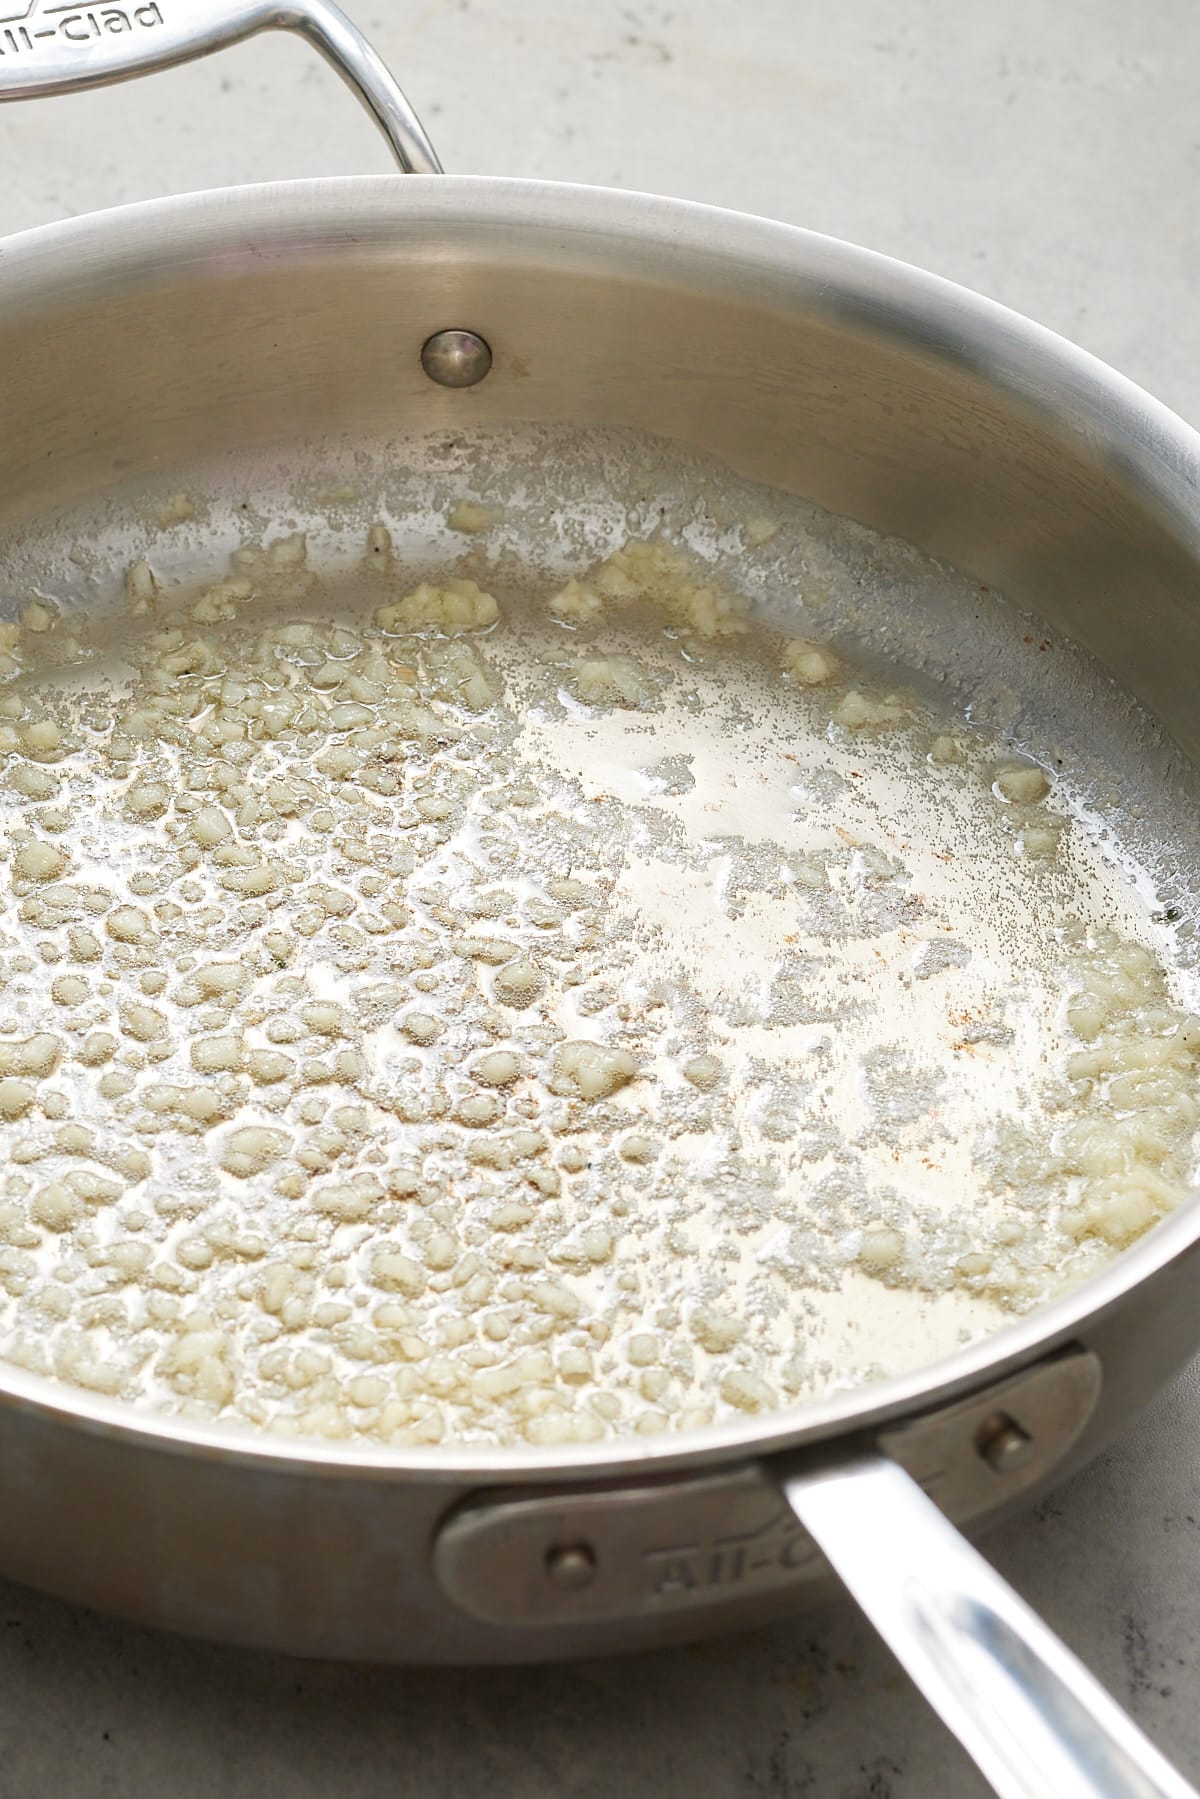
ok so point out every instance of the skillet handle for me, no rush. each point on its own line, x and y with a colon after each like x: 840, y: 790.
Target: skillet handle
x: 1038, y: 1725
x: 55, y: 49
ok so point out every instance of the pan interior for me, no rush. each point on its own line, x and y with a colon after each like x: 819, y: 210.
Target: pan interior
x: 726, y: 1041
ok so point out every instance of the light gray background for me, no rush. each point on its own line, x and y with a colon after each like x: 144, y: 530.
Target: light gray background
x: 1051, y: 158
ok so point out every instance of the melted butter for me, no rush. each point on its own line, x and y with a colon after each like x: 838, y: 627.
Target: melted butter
x: 788, y: 1105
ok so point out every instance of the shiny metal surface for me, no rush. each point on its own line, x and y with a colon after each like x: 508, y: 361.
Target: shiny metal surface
x: 660, y: 1548
x: 948, y: 1450
x: 572, y: 1566
x: 1005, y: 1445
x: 456, y: 358
x: 1037, y: 1723
x: 138, y: 343
x: 141, y: 342
x: 891, y: 396
x: 54, y: 49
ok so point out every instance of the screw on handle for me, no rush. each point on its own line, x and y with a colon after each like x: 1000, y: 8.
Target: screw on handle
x: 56, y: 46
x: 1038, y: 1725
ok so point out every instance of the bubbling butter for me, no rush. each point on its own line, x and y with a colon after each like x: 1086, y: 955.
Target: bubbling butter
x: 430, y: 1014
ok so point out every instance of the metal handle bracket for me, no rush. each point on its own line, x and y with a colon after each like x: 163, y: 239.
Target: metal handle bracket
x: 58, y: 46
x: 662, y: 1546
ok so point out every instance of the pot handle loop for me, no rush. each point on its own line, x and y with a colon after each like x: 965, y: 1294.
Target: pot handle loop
x: 54, y: 48
x: 1038, y: 1725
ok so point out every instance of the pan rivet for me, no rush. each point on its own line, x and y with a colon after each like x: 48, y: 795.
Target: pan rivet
x: 456, y: 358
x: 571, y: 1567
x: 1003, y: 1445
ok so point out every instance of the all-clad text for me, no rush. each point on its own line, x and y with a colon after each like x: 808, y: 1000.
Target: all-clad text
x: 72, y: 25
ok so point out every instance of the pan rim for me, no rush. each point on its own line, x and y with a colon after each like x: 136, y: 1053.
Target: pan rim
x: 215, y: 232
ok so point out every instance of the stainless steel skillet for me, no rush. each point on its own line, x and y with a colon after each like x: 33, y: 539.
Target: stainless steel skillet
x: 156, y: 335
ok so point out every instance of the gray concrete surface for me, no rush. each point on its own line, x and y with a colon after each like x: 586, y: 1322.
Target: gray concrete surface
x: 1051, y: 158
